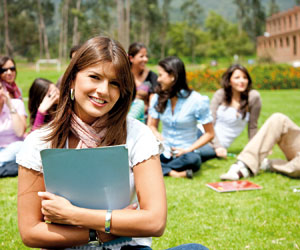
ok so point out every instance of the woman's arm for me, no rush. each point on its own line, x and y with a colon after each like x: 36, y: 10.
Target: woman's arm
x: 205, y: 138
x: 153, y: 125
x: 215, y: 103
x: 254, y: 109
x: 18, y: 121
x: 150, y: 220
x: 34, y: 231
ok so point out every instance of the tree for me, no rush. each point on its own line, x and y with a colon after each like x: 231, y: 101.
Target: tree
x: 251, y: 15
x: 297, y: 2
x: 192, y: 13
x: 123, y: 10
x: 75, y: 39
x: 8, y: 46
x: 164, y: 27
x: 63, y: 35
x: 273, y: 7
x: 42, y: 32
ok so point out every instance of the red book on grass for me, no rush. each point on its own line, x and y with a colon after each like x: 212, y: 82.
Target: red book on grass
x: 231, y: 186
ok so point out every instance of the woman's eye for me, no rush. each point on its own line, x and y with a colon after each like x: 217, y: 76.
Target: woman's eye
x: 115, y: 84
x: 94, y: 77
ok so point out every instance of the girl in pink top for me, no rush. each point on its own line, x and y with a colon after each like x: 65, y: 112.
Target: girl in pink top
x: 12, y: 129
x: 43, y: 97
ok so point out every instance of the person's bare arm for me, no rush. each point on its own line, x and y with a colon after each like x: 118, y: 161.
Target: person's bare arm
x: 153, y: 125
x: 205, y: 138
x: 150, y: 220
x: 33, y: 229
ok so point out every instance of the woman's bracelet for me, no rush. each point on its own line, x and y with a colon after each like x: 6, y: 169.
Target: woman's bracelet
x: 108, y: 221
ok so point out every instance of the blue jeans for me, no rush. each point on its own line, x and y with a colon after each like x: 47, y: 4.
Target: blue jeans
x: 9, y: 153
x: 190, y: 160
x: 191, y: 246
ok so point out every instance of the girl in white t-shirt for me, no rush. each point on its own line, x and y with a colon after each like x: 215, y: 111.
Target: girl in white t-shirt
x: 96, y: 93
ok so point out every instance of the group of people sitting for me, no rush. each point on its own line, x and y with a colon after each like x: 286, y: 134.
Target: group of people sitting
x: 193, y: 130
x: 101, y: 90
x: 43, y: 97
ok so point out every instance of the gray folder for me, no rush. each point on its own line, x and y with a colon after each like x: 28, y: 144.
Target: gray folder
x: 96, y: 178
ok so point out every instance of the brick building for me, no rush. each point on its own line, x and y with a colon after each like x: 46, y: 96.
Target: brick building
x: 281, y: 40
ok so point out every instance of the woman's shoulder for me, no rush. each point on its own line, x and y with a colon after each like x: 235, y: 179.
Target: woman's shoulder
x: 37, y: 138
x: 219, y: 94
x: 254, y: 97
x: 152, y: 75
x: 198, y: 96
x: 141, y: 142
x: 254, y: 94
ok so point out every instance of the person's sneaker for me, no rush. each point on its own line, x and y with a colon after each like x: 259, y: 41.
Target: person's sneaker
x: 265, y: 165
x: 236, y: 171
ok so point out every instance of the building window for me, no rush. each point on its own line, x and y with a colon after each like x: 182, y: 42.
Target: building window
x: 284, y: 23
x: 295, y: 45
x: 296, y: 19
x: 279, y: 26
x: 290, y: 20
x: 287, y: 41
x: 281, y: 42
x: 275, y: 43
x: 265, y: 44
x: 270, y: 44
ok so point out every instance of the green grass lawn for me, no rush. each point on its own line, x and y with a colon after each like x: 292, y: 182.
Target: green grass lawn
x: 262, y: 219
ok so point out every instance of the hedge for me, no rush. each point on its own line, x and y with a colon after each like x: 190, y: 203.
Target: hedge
x: 263, y: 77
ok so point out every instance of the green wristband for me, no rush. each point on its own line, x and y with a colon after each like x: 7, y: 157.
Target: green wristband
x: 107, y: 221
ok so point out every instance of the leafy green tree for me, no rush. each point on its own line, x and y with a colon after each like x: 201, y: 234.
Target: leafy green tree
x: 192, y: 11
x: 251, y: 15
x: 225, y: 38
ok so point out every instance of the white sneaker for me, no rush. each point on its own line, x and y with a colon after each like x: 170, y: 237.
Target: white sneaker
x: 235, y: 171
x: 265, y: 165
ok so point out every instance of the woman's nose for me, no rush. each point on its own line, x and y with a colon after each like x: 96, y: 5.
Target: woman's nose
x: 103, y: 87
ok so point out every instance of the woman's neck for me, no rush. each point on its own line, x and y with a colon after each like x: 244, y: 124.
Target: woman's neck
x: 137, y: 72
x: 236, y: 96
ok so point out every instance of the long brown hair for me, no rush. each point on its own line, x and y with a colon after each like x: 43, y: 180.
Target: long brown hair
x: 37, y: 92
x: 244, y: 100
x: 94, y: 51
x: 173, y: 66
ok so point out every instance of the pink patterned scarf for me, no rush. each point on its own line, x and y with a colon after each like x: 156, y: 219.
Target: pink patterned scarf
x: 89, y: 135
x: 13, y: 89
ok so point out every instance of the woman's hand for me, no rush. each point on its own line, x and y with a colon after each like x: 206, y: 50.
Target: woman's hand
x: 179, y: 151
x: 50, y: 98
x: 221, y: 152
x: 56, y: 209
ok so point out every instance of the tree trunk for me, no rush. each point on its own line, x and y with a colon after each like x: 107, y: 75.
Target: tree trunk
x: 127, y: 25
x: 120, y: 10
x: 65, y: 29
x: 40, y: 29
x: 75, y: 39
x: 8, y: 46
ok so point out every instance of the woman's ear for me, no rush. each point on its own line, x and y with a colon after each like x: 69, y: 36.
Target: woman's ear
x: 130, y: 58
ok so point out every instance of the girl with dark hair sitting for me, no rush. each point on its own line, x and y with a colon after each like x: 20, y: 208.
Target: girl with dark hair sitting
x: 233, y: 106
x: 43, y: 97
x: 180, y: 109
x: 8, y: 73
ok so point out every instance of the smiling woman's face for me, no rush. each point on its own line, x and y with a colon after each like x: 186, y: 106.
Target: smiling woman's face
x: 96, y: 91
x: 239, y: 81
x: 9, y: 75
